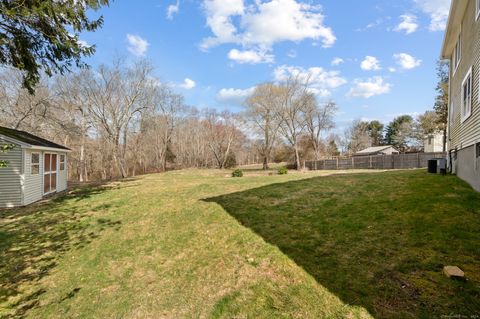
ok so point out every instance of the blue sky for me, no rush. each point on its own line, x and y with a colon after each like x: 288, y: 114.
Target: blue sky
x: 376, y: 59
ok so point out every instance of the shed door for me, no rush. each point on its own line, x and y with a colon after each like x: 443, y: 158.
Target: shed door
x: 49, y: 173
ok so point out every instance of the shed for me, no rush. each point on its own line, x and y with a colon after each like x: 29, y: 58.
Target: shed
x: 36, y: 168
x: 378, y: 150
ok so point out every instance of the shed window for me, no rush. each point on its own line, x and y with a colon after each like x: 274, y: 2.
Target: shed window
x: 467, y: 96
x: 35, y: 164
x: 62, y: 162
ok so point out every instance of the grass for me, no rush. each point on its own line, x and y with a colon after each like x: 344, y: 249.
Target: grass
x: 200, y: 244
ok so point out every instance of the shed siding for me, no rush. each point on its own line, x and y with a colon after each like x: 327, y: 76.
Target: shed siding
x: 62, y: 175
x: 11, y: 177
x: 33, y: 189
x: 465, y: 134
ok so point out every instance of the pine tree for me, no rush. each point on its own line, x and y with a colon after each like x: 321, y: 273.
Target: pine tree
x: 43, y: 35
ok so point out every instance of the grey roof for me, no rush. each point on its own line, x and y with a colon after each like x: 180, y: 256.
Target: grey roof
x: 375, y: 149
x: 30, y: 139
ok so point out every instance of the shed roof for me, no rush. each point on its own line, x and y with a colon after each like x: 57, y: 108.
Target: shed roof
x: 30, y: 139
x: 374, y: 149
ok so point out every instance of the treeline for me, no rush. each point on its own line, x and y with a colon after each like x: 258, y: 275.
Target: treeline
x: 121, y: 121
x: 405, y: 132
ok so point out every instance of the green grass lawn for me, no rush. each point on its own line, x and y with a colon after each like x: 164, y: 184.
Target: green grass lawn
x: 198, y: 244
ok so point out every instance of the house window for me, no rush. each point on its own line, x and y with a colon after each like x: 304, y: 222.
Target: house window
x: 478, y: 8
x: 467, y: 96
x: 457, y: 53
x: 62, y: 162
x: 35, y: 164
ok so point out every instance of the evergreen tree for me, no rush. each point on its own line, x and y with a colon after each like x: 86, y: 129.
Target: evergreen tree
x: 400, y: 131
x: 43, y: 35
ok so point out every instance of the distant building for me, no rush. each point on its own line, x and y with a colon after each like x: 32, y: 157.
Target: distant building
x: 462, y: 47
x: 433, y: 143
x: 377, y: 150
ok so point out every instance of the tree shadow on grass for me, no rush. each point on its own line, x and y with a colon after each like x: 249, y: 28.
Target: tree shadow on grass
x: 33, y: 238
x: 376, y: 240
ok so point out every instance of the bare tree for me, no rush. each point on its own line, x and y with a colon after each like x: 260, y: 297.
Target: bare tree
x: 114, y: 97
x: 19, y: 108
x: 262, y: 112
x: 319, y: 119
x: 356, y: 137
x: 294, y: 99
x: 221, y: 134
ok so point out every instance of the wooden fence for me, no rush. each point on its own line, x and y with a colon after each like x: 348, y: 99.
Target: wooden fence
x: 395, y: 161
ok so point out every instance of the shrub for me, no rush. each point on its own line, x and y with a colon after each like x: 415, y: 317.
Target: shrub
x: 282, y: 171
x: 237, y: 173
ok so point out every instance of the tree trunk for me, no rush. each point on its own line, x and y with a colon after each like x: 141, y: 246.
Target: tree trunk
x: 82, y: 161
x: 265, y: 163
x: 297, y: 158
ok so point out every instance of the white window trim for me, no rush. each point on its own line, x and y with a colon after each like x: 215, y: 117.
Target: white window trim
x: 36, y: 164
x: 454, y: 55
x: 466, y: 116
x: 49, y: 173
x: 478, y: 9
x: 60, y: 162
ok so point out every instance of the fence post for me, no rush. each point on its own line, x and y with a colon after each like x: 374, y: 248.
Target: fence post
x: 371, y: 166
x: 337, y: 163
x: 418, y: 160
x: 393, y: 161
x: 353, y: 162
x: 324, y: 164
x: 315, y: 164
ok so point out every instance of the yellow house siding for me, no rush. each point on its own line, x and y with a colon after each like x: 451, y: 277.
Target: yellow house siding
x: 467, y: 133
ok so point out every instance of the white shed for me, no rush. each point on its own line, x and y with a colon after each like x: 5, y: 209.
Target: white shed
x: 36, y: 168
x: 377, y: 150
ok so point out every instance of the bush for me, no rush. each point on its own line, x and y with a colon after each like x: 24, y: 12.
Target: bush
x: 237, y: 173
x: 282, y: 171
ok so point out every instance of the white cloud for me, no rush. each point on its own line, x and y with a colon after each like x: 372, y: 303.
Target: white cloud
x: 188, y: 84
x: 250, y: 56
x: 370, y: 63
x: 437, y: 10
x: 258, y: 24
x: 406, y: 61
x: 234, y: 96
x: 337, y: 61
x: 292, y: 54
x: 173, y: 10
x: 370, y: 87
x: 409, y: 24
x: 392, y: 70
x: 137, y: 45
x: 320, y: 81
